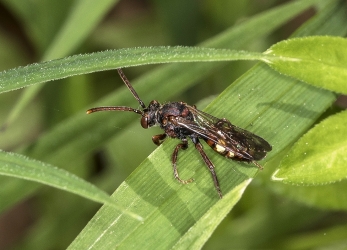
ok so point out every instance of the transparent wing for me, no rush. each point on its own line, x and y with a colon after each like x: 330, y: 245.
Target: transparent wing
x: 225, y: 134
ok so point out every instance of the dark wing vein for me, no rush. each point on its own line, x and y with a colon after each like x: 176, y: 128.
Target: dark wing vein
x: 225, y: 134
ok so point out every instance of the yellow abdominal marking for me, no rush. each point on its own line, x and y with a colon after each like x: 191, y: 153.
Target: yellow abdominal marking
x: 230, y: 154
x: 220, y: 149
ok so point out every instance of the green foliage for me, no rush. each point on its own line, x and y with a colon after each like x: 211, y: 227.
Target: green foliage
x: 262, y: 213
x: 16, y: 165
x: 316, y: 164
x: 319, y: 156
x: 320, y: 61
x: 81, y: 64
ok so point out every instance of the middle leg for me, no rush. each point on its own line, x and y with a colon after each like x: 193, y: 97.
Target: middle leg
x: 209, y: 164
x: 184, y: 146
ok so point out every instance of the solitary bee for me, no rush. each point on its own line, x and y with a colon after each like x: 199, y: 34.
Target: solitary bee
x: 182, y: 121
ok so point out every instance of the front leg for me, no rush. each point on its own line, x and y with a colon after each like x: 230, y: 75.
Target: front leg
x: 158, y: 139
x: 183, y: 145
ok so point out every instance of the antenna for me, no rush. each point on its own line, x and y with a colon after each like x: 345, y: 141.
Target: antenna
x: 113, y: 108
x: 132, y: 90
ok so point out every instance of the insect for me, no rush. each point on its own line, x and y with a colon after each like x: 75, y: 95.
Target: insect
x: 182, y: 121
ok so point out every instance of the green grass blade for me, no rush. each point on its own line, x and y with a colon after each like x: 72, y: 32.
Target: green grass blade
x: 81, y: 21
x: 19, y: 166
x: 202, y: 230
x: 87, y: 63
x: 85, y: 15
x: 259, y: 25
x: 301, y: 58
x: 320, y: 61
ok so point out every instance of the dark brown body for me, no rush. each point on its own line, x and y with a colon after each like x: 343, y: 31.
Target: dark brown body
x: 180, y: 120
x: 165, y: 117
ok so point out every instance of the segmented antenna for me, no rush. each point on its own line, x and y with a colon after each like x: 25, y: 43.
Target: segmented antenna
x: 132, y: 90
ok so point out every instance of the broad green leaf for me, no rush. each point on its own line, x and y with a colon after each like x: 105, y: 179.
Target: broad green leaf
x: 20, y: 166
x: 320, y: 61
x: 319, y: 157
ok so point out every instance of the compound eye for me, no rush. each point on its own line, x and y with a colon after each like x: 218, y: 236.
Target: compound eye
x: 144, y: 121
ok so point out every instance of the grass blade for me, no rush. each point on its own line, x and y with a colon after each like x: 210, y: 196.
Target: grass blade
x: 19, y: 166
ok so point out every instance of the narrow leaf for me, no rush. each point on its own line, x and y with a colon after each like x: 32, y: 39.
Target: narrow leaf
x: 20, y: 166
x: 81, y: 64
x: 71, y: 34
x: 81, y: 21
x: 196, y: 237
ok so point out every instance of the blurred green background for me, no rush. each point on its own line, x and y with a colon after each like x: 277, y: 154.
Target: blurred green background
x: 32, y: 31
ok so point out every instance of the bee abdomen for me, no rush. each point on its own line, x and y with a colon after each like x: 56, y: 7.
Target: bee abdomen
x: 220, y: 149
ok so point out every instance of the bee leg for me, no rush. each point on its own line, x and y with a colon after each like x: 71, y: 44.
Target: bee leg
x: 258, y: 165
x: 183, y: 145
x: 209, y: 164
x: 158, y: 139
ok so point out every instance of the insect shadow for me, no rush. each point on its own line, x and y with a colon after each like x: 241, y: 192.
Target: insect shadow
x: 182, y: 121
